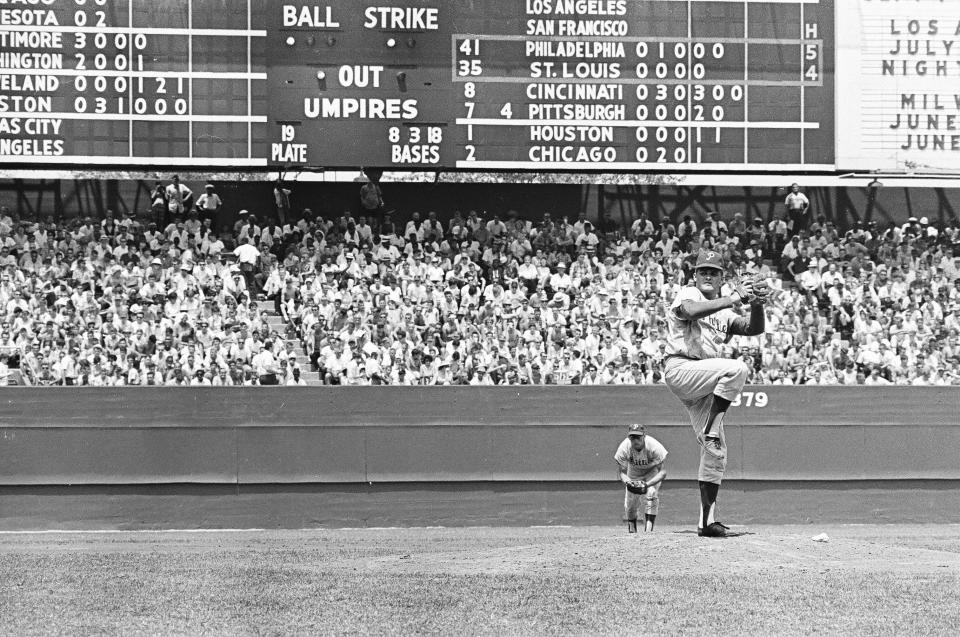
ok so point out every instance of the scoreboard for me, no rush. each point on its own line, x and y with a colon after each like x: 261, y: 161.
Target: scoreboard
x: 600, y: 85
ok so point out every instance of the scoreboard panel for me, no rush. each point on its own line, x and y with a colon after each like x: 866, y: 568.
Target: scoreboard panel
x: 676, y: 85
x: 609, y: 85
x: 132, y: 82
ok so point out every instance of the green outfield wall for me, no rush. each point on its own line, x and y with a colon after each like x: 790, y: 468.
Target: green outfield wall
x: 249, y: 436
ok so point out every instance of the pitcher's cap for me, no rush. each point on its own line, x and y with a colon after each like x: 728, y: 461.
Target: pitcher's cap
x: 709, y: 259
x: 636, y: 429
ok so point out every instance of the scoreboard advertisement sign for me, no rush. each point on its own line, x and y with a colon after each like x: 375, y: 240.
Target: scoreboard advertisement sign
x: 899, y: 103
x: 605, y: 85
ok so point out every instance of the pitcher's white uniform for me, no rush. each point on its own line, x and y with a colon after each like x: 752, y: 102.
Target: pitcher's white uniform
x: 641, y: 465
x: 694, y: 372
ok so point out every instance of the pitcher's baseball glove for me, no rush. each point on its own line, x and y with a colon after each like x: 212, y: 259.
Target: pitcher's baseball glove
x: 760, y: 288
x: 637, y: 486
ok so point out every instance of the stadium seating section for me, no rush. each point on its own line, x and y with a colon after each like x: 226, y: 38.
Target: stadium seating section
x: 457, y: 299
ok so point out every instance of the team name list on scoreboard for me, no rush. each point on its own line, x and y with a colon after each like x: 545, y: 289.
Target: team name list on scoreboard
x: 33, y: 131
x: 610, y: 84
x: 130, y: 82
x: 484, y: 85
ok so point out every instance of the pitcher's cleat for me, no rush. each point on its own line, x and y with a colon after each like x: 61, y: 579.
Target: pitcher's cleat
x: 713, y: 530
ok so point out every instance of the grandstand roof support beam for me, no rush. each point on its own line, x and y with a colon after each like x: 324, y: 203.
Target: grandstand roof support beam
x: 945, y: 211
x: 113, y: 196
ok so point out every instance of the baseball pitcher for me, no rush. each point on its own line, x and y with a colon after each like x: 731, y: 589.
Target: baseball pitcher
x: 700, y: 321
x: 640, y: 467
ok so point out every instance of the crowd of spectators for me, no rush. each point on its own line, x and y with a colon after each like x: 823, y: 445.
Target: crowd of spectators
x: 174, y: 297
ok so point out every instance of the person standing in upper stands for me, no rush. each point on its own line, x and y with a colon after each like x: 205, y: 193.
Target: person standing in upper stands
x: 371, y: 199
x: 247, y: 257
x: 281, y: 197
x: 797, y: 206
x: 158, y: 205
x: 209, y: 205
x: 179, y: 197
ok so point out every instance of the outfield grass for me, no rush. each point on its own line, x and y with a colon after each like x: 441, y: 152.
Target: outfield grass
x: 867, y: 580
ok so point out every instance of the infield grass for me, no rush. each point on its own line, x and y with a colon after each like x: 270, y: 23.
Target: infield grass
x: 867, y: 580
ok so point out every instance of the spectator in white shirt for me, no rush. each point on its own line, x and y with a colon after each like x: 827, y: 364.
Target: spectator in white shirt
x: 247, y: 258
x: 179, y: 197
x: 209, y: 205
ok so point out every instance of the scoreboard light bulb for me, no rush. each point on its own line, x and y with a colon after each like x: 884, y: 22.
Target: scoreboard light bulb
x: 411, y: 43
x: 402, y: 81
x: 321, y: 80
x: 291, y: 40
x: 331, y: 40
x: 391, y: 43
x: 311, y: 40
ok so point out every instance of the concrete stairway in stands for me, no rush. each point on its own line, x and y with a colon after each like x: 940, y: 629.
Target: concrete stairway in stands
x: 277, y: 323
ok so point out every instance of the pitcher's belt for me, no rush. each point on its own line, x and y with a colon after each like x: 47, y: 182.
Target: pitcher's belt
x: 683, y: 356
